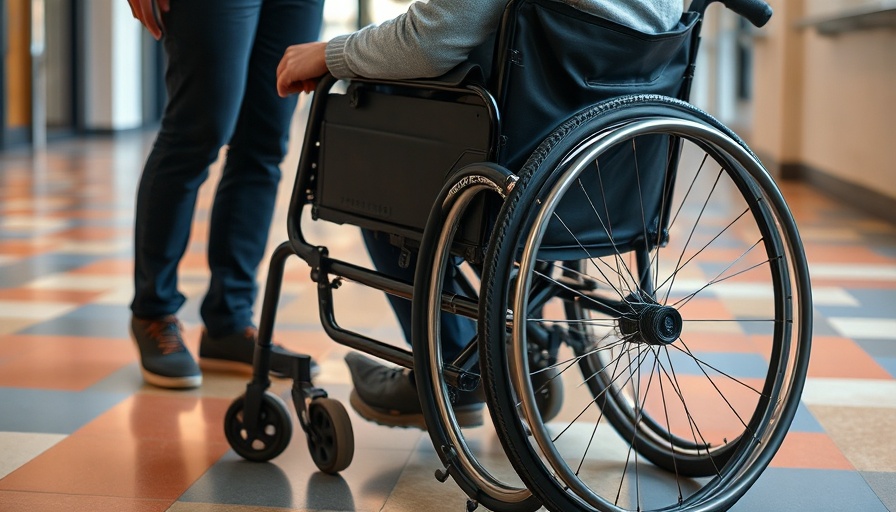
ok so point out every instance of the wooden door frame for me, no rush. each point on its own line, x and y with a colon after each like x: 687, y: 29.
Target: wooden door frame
x: 4, y: 45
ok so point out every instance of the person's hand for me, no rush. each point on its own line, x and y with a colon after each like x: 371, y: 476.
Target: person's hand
x: 301, y: 67
x: 142, y: 10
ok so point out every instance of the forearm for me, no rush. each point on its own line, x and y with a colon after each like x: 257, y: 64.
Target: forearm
x: 427, y: 41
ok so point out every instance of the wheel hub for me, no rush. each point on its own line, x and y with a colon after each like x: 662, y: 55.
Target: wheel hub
x: 652, y: 324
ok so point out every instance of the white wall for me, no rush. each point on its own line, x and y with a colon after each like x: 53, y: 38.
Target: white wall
x: 113, y: 89
x: 827, y: 102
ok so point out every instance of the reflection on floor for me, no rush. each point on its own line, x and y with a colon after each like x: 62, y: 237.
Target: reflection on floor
x: 80, y: 431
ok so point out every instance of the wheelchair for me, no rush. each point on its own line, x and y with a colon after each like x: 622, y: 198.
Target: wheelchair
x: 639, y: 287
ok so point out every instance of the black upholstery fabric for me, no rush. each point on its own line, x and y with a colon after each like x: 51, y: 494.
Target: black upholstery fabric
x: 561, y: 60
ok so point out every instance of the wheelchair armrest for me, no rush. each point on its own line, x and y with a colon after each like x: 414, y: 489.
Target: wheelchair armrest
x: 461, y: 76
x: 465, y: 73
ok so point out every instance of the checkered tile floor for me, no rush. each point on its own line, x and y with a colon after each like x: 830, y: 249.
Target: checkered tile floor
x: 80, y: 431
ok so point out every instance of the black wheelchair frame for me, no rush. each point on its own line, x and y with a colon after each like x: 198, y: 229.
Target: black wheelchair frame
x: 258, y: 425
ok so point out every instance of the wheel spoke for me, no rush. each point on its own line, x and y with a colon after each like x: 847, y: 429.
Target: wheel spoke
x: 591, y: 260
x: 692, y: 423
x: 669, y: 428
x: 582, y: 295
x: 691, y: 234
x: 681, y: 265
x: 718, y: 278
x: 703, y: 364
x: 617, y: 257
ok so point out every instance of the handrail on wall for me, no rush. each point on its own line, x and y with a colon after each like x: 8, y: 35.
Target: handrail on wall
x: 872, y: 15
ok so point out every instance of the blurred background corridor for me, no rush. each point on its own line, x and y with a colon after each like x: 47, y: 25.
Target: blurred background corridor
x: 812, y: 94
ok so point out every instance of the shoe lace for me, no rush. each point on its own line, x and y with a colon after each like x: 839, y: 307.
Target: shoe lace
x: 166, y: 334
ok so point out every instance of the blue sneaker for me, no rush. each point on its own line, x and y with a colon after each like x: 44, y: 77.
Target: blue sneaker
x: 165, y: 361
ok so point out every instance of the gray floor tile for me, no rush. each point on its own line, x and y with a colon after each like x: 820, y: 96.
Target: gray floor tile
x: 884, y: 484
x: 788, y: 490
x: 52, y: 412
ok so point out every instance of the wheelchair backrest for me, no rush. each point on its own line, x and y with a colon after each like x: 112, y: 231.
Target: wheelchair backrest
x: 387, y: 147
x: 553, y: 60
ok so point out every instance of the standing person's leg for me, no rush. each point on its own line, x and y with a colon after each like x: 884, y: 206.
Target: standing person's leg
x: 207, y: 43
x: 245, y: 198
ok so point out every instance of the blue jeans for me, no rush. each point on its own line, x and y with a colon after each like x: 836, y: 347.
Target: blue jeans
x: 456, y: 331
x: 221, y: 83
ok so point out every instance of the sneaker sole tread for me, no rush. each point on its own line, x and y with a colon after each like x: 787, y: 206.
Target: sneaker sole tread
x: 161, y: 381
x: 466, y: 419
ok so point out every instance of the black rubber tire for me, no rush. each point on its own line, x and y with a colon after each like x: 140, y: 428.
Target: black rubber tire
x: 275, y: 426
x: 331, y: 439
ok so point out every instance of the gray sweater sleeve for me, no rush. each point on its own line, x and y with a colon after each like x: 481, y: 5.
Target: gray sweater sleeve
x: 433, y: 37
x: 426, y: 41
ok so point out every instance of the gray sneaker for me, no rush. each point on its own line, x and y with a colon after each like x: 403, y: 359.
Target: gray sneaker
x: 234, y: 353
x: 164, y: 360
x: 388, y: 396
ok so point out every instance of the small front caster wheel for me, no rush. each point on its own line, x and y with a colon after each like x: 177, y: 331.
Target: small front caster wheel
x: 274, y: 428
x: 330, y: 436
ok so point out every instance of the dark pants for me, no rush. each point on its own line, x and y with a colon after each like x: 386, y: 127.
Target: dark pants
x: 221, y: 74
x: 456, y: 331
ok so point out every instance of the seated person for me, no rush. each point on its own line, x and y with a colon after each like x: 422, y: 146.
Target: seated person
x: 427, y: 41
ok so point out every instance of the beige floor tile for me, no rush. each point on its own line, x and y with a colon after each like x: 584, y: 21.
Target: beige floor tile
x: 877, y: 328
x: 20, y: 447
x: 863, y: 434
x: 850, y: 392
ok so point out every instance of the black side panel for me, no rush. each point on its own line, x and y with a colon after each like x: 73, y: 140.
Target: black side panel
x: 385, y: 155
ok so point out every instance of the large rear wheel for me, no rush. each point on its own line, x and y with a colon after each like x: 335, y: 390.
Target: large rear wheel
x: 676, y: 275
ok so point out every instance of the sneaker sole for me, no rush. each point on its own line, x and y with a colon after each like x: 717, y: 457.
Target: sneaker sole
x: 465, y: 419
x: 224, y: 366
x: 161, y: 381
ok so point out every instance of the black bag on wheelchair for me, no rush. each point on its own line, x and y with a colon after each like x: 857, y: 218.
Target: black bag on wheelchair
x: 561, y: 60
x: 387, y: 149
x: 558, y: 60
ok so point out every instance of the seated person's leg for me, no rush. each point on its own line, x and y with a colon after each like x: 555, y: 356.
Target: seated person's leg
x: 385, y: 258
x: 387, y: 395
x: 457, y: 331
